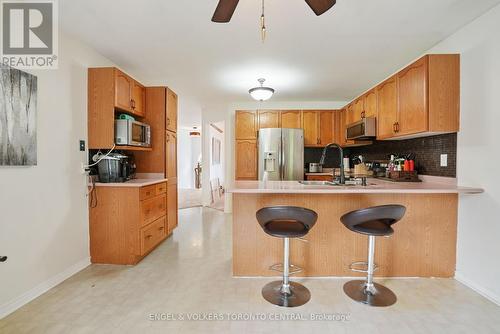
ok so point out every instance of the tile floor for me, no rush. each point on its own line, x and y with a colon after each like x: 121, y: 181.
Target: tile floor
x: 189, y: 275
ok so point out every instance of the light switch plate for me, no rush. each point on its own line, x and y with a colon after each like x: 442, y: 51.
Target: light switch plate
x: 444, y: 160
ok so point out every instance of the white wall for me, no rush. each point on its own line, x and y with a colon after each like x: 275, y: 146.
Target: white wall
x: 478, y: 156
x: 44, y: 215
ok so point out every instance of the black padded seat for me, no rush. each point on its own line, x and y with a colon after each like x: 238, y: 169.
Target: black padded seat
x: 376, y: 220
x: 286, y: 221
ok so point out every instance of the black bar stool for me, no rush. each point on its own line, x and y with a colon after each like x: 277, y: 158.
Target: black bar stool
x: 374, y: 222
x: 286, y: 222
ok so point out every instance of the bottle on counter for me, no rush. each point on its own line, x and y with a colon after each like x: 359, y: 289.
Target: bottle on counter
x: 390, y: 167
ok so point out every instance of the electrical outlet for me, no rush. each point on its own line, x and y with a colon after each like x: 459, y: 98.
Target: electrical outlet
x: 82, y: 145
x: 444, y: 160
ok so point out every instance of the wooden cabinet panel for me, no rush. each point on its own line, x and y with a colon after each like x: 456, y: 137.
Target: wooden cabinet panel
x: 326, y: 127
x: 310, y: 124
x: 387, y: 108
x: 245, y: 124
x: 358, y: 109
x: 172, y: 205
x: 152, y: 234
x: 152, y: 209
x: 123, y: 90
x: 412, y: 93
x: 146, y: 192
x: 171, y: 155
x: 349, y: 116
x: 370, y: 104
x: 246, y: 159
x: 160, y: 188
x: 172, y: 105
x: 291, y: 119
x: 268, y: 119
x: 138, y: 102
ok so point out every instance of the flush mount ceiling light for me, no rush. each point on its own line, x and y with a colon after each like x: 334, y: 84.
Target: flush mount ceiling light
x: 261, y: 93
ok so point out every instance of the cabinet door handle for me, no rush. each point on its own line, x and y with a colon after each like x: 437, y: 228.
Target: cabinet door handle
x: 149, y: 236
x: 394, y: 127
x: 132, y: 103
x: 168, y: 137
x: 160, y: 228
x: 168, y: 121
x: 397, y: 126
x: 362, y: 114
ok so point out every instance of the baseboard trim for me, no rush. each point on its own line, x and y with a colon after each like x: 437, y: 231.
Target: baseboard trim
x: 41, y: 288
x: 479, y: 289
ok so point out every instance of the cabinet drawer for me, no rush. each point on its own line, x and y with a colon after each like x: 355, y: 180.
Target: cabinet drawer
x: 152, y: 234
x: 147, y: 192
x: 160, y: 188
x: 153, y: 208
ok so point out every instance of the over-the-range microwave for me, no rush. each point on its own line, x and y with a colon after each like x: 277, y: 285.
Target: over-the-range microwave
x: 132, y: 133
x: 364, y: 129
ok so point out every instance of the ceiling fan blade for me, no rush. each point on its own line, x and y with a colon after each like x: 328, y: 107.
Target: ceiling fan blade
x: 320, y: 6
x: 224, y: 11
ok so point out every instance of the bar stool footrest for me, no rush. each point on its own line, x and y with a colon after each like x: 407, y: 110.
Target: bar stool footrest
x: 353, y: 266
x: 279, y: 268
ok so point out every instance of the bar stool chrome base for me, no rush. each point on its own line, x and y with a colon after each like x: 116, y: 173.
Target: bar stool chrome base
x: 299, y: 294
x: 378, y: 295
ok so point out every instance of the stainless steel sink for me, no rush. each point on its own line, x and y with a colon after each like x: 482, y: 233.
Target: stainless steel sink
x: 327, y: 183
x: 317, y: 183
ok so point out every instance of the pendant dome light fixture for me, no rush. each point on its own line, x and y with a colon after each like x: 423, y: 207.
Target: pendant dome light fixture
x: 261, y: 93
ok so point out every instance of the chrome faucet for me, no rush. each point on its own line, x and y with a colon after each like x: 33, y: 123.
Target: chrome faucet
x: 341, y: 152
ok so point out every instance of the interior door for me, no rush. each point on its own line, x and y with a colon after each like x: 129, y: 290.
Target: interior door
x: 292, y: 151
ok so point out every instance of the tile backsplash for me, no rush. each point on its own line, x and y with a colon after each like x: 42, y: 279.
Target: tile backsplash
x: 427, y: 152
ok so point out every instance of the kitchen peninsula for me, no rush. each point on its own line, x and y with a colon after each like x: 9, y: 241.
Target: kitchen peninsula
x: 423, y: 245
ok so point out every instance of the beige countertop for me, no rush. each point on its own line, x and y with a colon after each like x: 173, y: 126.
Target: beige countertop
x: 141, y: 180
x: 375, y: 186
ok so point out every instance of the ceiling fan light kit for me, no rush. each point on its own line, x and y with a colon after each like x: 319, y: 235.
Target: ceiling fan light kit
x: 261, y: 93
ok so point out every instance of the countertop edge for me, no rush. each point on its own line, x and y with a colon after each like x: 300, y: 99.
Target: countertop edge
x: 126, y: 184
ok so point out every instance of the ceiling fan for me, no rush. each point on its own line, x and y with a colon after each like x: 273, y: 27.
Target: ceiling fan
x: 225, y: 8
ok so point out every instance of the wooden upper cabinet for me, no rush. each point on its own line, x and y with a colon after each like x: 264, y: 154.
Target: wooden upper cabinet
x: 387, y: 108
x: 123, y: 91
x: 358, y: 109
x: 245, y: 124
x: 349, y: 116
x: 370, y: 104
x: 268, y: 119
x: 326, y: 127
x: 310, y: 124
x: 138, y: 102
x: 172, y: 105
x: 246, y: 159
x: 291, y: 119
x: 422, y: 99
x: 171, y: 155
x: 412, y: 93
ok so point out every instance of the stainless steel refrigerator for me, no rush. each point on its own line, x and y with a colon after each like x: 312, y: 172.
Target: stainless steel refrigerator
x: 281, y: 154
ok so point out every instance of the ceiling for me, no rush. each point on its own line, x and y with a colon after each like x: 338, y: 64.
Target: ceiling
x: 333, y: 57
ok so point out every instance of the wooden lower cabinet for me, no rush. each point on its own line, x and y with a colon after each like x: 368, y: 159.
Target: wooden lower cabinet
x: 246, y: 159
x: 172, y: 205
x: 128, y: 222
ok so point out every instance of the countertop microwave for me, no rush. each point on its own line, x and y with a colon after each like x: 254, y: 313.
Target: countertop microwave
x: 132, y: 133
x: 364, y: 129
